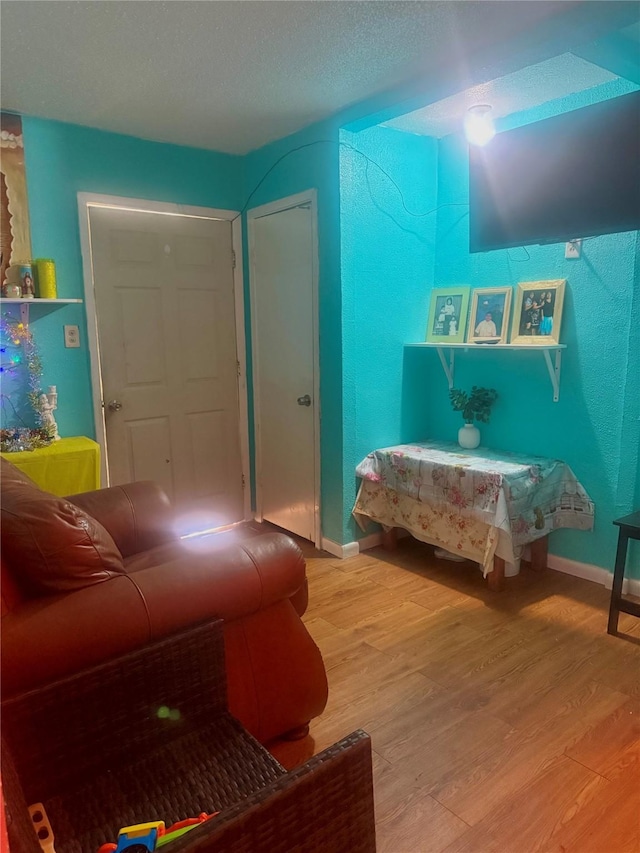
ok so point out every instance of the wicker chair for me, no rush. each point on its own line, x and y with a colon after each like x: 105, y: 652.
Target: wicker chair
x: 148, y: 737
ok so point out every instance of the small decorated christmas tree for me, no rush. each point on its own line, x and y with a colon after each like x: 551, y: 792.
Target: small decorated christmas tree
x: 23, y: 426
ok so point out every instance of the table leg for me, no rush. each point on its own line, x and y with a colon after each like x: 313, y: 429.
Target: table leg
x: 618, y: 579
x: 539, y: 549
x: 495, y: 579
x: 390, y: 539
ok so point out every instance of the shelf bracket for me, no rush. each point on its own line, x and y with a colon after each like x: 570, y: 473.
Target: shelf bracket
x: 24, y: 313
x: 448, y: 368
x: 554, y: 372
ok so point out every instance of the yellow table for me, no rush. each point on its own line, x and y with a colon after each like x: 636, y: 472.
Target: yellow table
x: 65, y: 467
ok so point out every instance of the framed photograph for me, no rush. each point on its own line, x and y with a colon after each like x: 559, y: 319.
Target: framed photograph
x: 448, y: 315
x: 537, y: 313
x: 489, y: 315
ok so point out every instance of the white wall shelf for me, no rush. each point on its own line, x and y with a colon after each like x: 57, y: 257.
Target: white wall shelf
x: 25, y: 303
x: 448, y: 364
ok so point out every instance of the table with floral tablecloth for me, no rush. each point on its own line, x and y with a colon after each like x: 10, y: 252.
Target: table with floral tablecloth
x: 475, y: 503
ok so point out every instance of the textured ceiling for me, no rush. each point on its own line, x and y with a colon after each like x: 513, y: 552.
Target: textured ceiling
x: 232, y: 76
x: 563, y: 75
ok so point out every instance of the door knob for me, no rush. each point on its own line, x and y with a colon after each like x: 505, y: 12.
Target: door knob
x: 115, y: 405
x: 304, y: 401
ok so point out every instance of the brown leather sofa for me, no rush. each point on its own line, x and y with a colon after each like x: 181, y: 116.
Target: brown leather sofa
x: 90, y: 577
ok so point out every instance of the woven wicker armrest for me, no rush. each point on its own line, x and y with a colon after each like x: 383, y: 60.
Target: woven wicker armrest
x: 65, y: 734
x: 323, y: 806
x: 148, y: 737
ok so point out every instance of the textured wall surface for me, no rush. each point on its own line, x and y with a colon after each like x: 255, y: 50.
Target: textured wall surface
x: 388, y: 258
x: 64, y: 159
x: 594, y: 426
x: 369, y: 323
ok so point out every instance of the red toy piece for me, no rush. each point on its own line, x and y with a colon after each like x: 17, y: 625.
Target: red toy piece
x: 190, y: 821
x: 182, y: 824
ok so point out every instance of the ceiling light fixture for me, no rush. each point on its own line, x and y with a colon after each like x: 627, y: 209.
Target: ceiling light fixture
x: 478, y: 124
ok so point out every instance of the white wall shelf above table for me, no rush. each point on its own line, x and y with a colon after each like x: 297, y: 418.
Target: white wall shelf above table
x: 46, y: 304
x: 448, y: 364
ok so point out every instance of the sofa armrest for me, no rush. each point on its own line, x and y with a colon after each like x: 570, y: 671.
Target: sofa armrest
x: 137, y: 515
x: 51, y: 636
x: 228, y: 584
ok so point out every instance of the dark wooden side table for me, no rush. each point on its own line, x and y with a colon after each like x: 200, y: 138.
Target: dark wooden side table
x: 629, y: 529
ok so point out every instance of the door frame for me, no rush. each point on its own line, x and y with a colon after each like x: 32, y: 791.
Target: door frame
x: 310, y: 197
x: 88, y: 200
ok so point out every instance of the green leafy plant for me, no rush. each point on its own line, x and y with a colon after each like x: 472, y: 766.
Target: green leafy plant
x: 474, y: 406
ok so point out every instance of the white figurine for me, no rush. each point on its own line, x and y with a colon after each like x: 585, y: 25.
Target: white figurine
x: 48, y: 404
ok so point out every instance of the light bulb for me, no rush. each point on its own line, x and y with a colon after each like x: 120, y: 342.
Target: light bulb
x: 478, y: 125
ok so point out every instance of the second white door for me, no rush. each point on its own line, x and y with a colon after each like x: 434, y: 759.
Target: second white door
x: 166, y: 327
x: 283, y: 306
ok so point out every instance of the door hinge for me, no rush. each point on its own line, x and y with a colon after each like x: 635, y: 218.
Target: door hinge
x: 244, y: 482
x: 233, y: 259
x: 238, y: 368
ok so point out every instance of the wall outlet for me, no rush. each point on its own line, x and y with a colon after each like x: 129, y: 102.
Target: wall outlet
x: 71, y: 336
x: 573, y: 249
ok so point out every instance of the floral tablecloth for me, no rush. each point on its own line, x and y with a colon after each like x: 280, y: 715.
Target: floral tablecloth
x: 473, y: 502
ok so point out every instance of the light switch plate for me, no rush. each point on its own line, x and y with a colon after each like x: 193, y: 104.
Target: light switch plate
x: 71, y: 336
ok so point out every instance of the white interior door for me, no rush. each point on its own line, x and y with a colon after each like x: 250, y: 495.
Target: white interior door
x: 167, y: 342
x: 283, y: 305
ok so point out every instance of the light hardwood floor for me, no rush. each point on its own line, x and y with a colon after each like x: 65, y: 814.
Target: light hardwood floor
x: 501, y: 722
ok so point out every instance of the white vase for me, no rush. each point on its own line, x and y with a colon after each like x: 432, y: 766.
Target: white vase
x: 469, y: 436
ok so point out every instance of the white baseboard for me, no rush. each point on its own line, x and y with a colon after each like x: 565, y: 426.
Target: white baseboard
x: 343, y: 551
x: 586, y: 571
x: 371, y: 541
x: 591, y: 573
x: 351, y: 549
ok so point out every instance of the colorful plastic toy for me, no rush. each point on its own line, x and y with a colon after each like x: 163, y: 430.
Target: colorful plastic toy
x: 153, y: 835
x: 42, y: 827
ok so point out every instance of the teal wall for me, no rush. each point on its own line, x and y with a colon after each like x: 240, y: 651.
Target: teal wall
x: 388, y: 260
x: 595, y: 426
x: 318, y: 166
x: 64, y: 159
